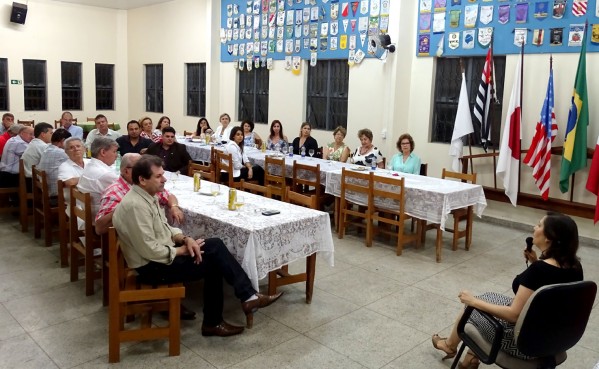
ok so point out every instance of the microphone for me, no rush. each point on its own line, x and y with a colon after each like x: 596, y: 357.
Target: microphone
x: 528, y: 244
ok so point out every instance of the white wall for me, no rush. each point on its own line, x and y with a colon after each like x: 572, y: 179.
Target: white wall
x: 56, y: 32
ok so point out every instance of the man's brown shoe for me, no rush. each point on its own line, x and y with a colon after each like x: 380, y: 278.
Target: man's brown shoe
x: 224, y: 329
x: 250, y: 307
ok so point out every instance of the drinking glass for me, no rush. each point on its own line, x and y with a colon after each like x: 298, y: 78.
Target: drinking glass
x: 174, y: 178
x: 214, y: 189
x: 239, y: 201
x: 311, y: 152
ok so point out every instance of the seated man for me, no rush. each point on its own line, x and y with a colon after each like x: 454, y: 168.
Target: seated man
x: 70, y: 171
x: 37, y: 146
x: 7, y: 120
x: 175, y: 155
x: 132, y: 142
x: 53, y: 157
x: 66, y: 121
x: 10, y: 133
x: 149, y: 245
x: 13, y: 151
x: 101, y: 130
x: 98, y: 174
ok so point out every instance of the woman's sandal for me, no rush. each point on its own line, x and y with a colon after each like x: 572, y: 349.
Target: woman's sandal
x: 447, y: 350
x: 470, y: 361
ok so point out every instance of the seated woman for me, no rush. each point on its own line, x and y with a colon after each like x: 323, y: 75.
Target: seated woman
x: 556, y: 236
x: 405, y: 161
x: 146, y: 127
x: 337, y: 150
x: 367, y: 152
x: 242, y: 168
x: 277, y: 137
x: 223, y: 131
x: 203, y: 128
x: 249, y: 136
x: 163, y: 122
x: 305, y: 140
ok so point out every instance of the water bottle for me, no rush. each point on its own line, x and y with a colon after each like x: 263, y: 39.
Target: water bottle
x: 117, y: 163
x: 290, y: 150
x: 303, y: 152
x: 373, y: 163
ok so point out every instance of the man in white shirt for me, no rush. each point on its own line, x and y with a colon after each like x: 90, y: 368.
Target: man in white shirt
x: 101, y: 130
x: 98, y: 174
x: 37, y: 146
x: 13, y: 151
x: 70, y: 171
x: 52, y: 158
x: 66, y: 121
x: 7, y: 120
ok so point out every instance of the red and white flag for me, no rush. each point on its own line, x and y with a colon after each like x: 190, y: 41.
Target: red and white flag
x: 593, y: 181
x: 509, y: 152
x: 579, y: 7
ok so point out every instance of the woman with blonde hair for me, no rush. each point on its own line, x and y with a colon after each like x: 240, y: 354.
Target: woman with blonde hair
x: 337, y: 150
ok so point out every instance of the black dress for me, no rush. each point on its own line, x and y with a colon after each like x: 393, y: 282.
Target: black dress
x: 310, y: 143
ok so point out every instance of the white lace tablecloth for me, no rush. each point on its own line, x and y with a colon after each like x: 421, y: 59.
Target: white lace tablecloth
x: 428, y: 198
x: 260, y: 243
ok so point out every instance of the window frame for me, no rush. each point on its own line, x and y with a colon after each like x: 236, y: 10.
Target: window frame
x: 35, y: 87
x: 327, y: 87
x: 104, y: 74
x: 253, y: 94
x: 154, y: 84
x: 4, y: 83
x: 195, y: 89
x: 71, y: 85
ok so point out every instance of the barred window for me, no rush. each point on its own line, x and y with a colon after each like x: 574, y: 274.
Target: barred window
x: 253, y: 95
x: 196, y: 89
x: 328, y: 84
x: 448, y: 82
x: 71, y: 85
x: 154, y: 88
x: 104, y: 86
x: 3, y: 84
x: 34, y: 84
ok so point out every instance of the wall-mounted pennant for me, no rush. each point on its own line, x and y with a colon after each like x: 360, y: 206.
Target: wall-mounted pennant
x: 269, y: 64
x: 334, y: 11
x: 385, y: 6
x: 424, y: 45
x: 579, y: 7
x: 468, y: 39
x: 345, y: 23
x: 557, y: 35
x: 453, y: 40
x: 597, y: 9
x: 334, y: 28
x: 595, y: 34
x: 522, y: 13
x: 576, y: 35
x: 241, y: 63
x: 440, y: 46
x: 296, y: 65
x: 456, y: 2
x: 384, y: 23
x: 334, y: 41
x: 425, y: 6
x: 364, y: 7
x: 352, y: 42
x: 559, y: 8
x: 343, y: 42
x: 236, y: 49
x: 470, y: 15
x: 486, y: 14
x: 353, y: 25
x: 440, y: 6
x: 485, y: 34
x: 324, y: 43
x: 537, y: 38
x: 373, y: 26
x: 344, y: 9
x: 454, y: 18
x: 299, y: 15
x: 305, y: 15
x: 351, y: 57
x: 439, y: 23
x: 375, y: 8
x: 288, y: 63
x: 298, y: 46
x: 541, y: 10
x: 504, y: 14
x: 354, y: 7
x: 520, y: 36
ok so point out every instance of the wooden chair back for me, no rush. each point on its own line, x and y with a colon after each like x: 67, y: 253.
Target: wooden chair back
x: 423, y: 169
x: 112, y: 126
x: 126, y: 299
x: 193, y: 167
x: 63, y: 224
x: 464, y: 177
x: 30, y: 123
x: 44, y: 214
x: 265, y: 191
x: 81, y: 211
x: 57, y: 123
x: 296, y: 198
x: 224, y: 164
x: 91, y: 119
x: 359, y: 185
x: 188, y: 133
x: 25, y: 197
x: 276, y: 181
x: 391, y: 192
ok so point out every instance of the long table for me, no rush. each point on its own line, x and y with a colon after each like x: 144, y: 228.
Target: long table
x: 260, y: 243
x: 427, y: 198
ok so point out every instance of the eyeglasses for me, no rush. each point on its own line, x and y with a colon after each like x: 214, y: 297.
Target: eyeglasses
x: 405, y: 143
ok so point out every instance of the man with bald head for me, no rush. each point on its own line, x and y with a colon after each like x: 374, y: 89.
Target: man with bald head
x: 66, y: 121
x: 13, y: 151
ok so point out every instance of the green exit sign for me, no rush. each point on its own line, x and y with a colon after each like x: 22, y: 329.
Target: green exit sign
x: 16, y: 82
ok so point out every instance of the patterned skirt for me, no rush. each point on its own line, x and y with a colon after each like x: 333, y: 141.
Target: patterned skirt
x: 508, y: 343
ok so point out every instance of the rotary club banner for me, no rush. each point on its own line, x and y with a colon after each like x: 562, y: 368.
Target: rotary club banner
x: 541, y: 10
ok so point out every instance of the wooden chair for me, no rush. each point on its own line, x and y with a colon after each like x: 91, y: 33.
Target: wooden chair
x: 25, y: 197
x: 224, y: 164
x: 357, y: 184
x: 112, y: 126
x: 423, y: 169
x: 81, y: 211
x: 206, y: 171
x: 306, y: 179
x: 188, y: 133
x: 126, y: 299
x: 91, y: 119
x: 256, y: 189
x: 391, y: 191
x: 281, y: 277
x: 44, y: 214
x: 30, y: 123
x: 63, y: 225
x: 6, y: 206
x: 57, y: 123
x: 277, y: 182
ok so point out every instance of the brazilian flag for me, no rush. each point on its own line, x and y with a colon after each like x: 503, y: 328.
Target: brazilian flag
x: 574, y: 156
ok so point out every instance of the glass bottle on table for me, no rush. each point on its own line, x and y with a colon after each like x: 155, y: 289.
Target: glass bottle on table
x: 303, y: 152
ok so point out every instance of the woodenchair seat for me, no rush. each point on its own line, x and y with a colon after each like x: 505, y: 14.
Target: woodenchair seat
x: 126, y: 298
x: 305, y: 179
x: 45, y: 213
x: 277, y: 182
x: 6, y: 206
x: 282, y: 277
x: 358, y: 184
x: 256, y: 189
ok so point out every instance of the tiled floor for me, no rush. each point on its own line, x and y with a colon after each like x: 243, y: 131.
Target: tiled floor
x: 372, y: 310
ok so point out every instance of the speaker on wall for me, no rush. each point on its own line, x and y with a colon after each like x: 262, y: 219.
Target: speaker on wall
x: 18, y: 13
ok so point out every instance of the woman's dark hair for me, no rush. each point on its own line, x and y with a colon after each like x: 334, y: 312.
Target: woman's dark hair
x: 161, y: 119
x: 409, y: 138
x: 272, y: 131
x: 251, y: 124
x: 562, y: 231
x: 234, y: 131
x: 365, y: 132
x: 143, y: 167
x: 199, y: 128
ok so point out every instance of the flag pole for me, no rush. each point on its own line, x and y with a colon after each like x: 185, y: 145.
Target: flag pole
x: 521, y: 110
x: 492, y: 110
x: 462, y: 71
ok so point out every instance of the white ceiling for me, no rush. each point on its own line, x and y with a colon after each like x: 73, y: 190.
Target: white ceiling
x: 116, y: 4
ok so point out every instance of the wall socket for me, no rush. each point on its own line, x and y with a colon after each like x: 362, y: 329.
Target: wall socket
x: 384, y: 134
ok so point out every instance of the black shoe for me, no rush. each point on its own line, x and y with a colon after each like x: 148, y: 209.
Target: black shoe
x: 224, y: 329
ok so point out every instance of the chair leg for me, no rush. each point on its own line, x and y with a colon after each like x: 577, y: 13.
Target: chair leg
x: 272, y: 282
x: 310, y: 272
x: 469, y: 226
x: 64, y: 249
x: 400, y: 239
x: 74, y: 264
x: 174, y: 345
x: 456, y: 233
x: 439, y: 243
x: 114, y: 324
x: 369, y: 227
x: 89, y: 270
x: 342, y: 218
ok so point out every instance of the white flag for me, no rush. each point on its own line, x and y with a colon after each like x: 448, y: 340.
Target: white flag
x: 461, y: 127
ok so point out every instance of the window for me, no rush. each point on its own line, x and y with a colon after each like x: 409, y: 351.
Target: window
x: 104, y: 86
x: 71, y: 85
x: 448, y: 82
x: 154, y: 88
x: 253, y: 95
x: 34, y: 84
x: 196, y: 89
x: 3, y: 84
x: 328, y: 83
